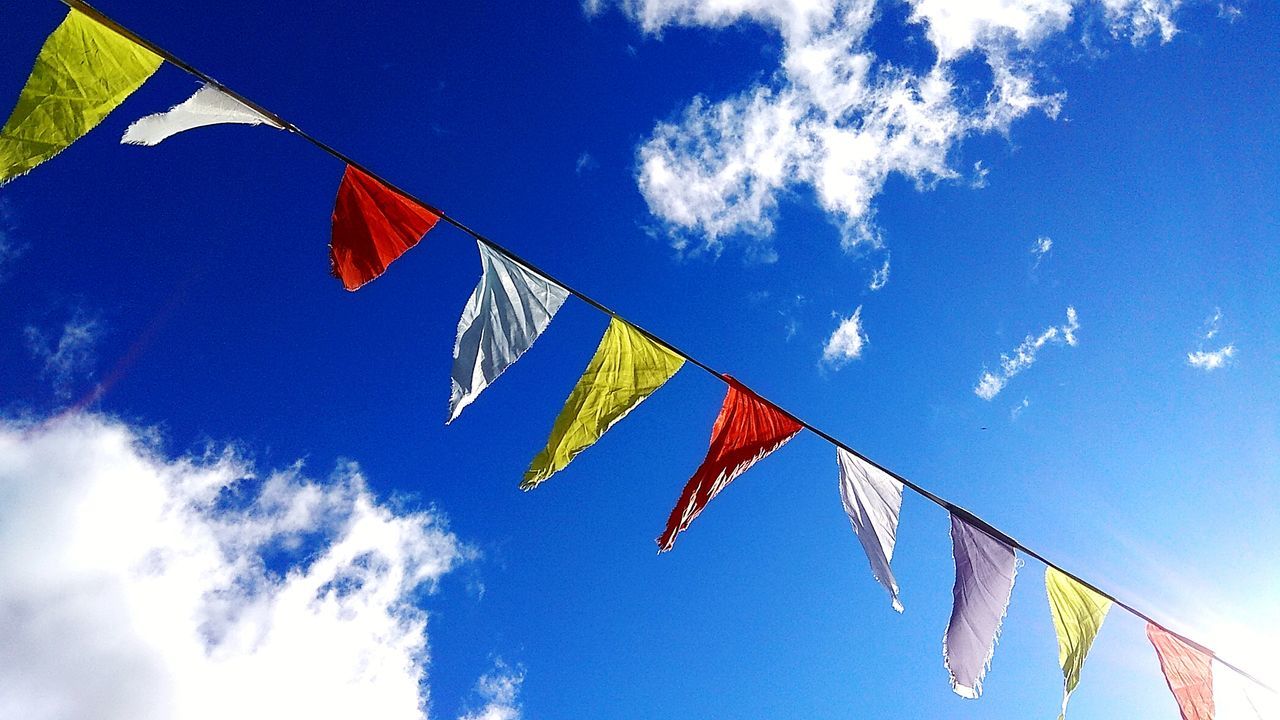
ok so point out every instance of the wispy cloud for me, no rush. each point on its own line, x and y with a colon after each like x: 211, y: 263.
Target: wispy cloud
x: 500, y: 691
x: 991, y: 383
x: 980, y: 174
x: 840, y: 119
x: 135, y: 585
x: 1209, y: 360
x: 1019, y: 408
x: 1212, y: 326
x: 1039, y: 249
x: 71, y: 357
x: 880, y: 277
x: 585, y: 163
x: 790, y: 328
x: 846, y: 342
x: 10, y: 249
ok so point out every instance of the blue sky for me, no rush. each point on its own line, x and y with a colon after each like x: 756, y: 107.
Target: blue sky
x: 190, y: 283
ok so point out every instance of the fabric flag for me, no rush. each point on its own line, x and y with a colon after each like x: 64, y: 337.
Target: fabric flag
x: 1205, y: 688
x: 1078, y: 613
x: 627, y: 368
x: 372, y: 226
x: 81, y: 74
x: 985, y: 569
x: 872, y: 499
x: 747, y: 429
x: 208, y: 106
x: 507, y: 311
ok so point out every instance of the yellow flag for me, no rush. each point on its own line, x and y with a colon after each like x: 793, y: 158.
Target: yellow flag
x: 627, y: 368
x: 82, y: 73
x: 1078, y: 613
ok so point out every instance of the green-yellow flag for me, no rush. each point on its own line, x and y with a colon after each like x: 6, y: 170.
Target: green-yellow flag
x: 627, y: 368
x: 1078, y: 613
x: 82, y: 73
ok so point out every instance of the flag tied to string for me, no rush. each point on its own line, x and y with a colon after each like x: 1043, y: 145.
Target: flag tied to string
x: 747, y: 429
x: 507, y: 311
x: 1078, y: 613
x: 985, y: 569
x: 83, y: 71
x: 1204, y: 687
x: 208, y: 106
x: 373, y: 225
x: 627, y: 368
x: 872, y: 499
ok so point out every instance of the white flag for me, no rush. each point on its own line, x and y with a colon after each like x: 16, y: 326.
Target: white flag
x: 872, y: 499
x: 507, y: 311
x: 209, y: 106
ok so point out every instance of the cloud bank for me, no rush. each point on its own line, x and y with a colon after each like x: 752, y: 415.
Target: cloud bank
x: 990, y: 384
x: 837, y: 118
x: 135, y: 585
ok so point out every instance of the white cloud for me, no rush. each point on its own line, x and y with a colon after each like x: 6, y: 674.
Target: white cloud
x: 585, y: 163
x: 1212, y: 325
x: 1040, y: 248
x: 10, y: 249
x: 836, y: 117
x: 1230, y: 11
x: 846, y: 342
x: 956, y: 28
x: 1211, y: 360
x: 980, y: 174
x: 880, y: 277
x: 500, y: 691
x: 1139, y: 19
x: 72, y: 357
x: 135, y: 585
x: 990, y: 384
x: 1017, y: 409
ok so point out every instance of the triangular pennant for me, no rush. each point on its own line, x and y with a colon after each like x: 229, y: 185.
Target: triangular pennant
x: 872, y: 499
x: 507, y: 311
x: 747, y: 429
x: 627, y: 368
x: 1078, y: 613
x: 208, y: 106
x: 83, y: 71
x: 1188, y: 670
x: 372, y: 226
x: 985, y: 570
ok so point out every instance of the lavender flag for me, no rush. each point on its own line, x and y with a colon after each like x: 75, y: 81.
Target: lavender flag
x: 985, y: 568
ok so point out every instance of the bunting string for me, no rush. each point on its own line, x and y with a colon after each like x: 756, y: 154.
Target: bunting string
x: 750, y: 426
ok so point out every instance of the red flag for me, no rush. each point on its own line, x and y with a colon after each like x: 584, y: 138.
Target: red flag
x: 1188, y: 670
x: 372, y: 226
x: 747, y: 429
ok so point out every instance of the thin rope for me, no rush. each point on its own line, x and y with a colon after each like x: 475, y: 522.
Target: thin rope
x: 949, y: 506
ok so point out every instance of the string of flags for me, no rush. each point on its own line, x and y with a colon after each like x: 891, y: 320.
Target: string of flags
x: 90, y: 64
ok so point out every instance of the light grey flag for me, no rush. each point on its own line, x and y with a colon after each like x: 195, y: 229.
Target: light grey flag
x: 985, y: 569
